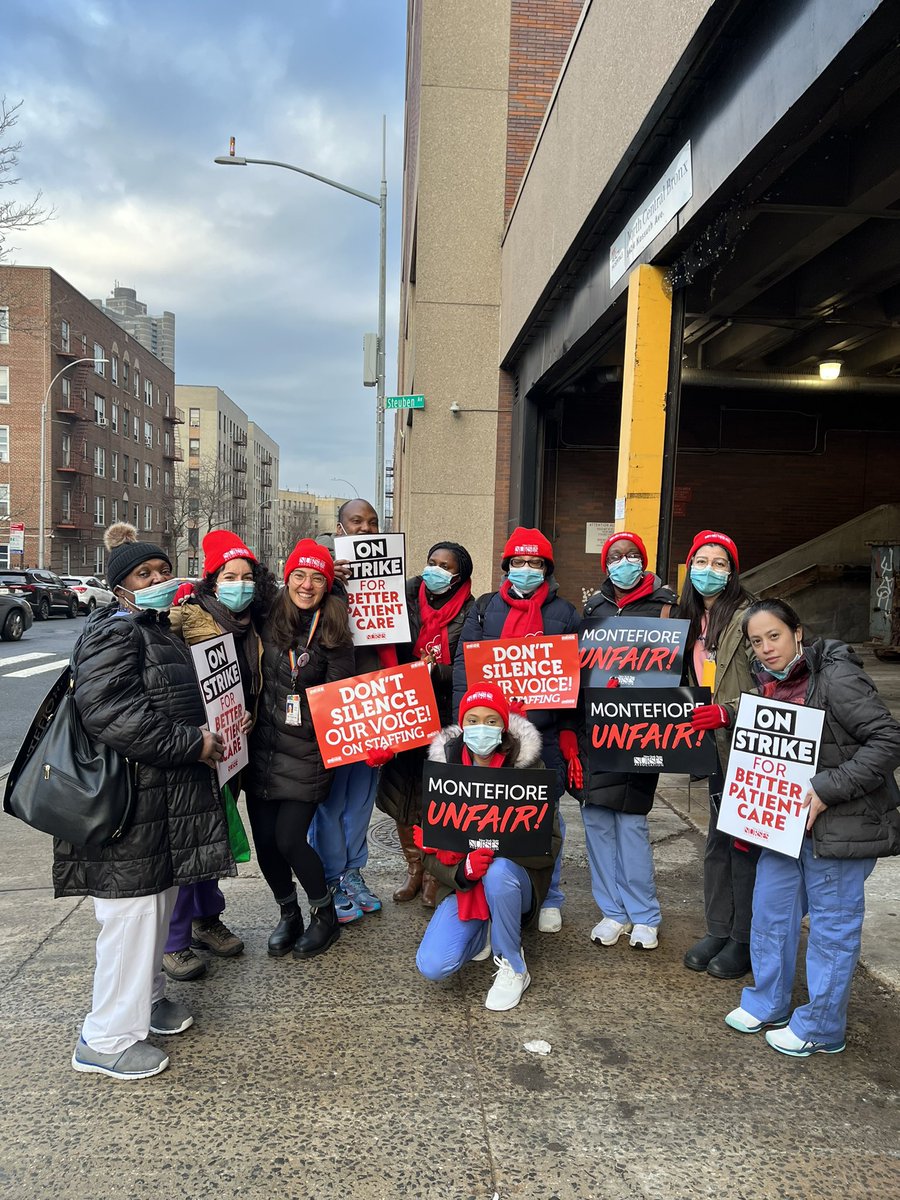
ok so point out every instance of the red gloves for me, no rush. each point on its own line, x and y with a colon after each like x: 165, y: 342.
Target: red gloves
x: 568, y: 746
x: 378, y: 758
x: 613, y: 681
x: 477, y: 863
x: 710, y: 716
x: 184, y: 593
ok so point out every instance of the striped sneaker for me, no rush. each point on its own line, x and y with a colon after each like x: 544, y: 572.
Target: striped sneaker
x: 353, y: 884
x: 346, y: 908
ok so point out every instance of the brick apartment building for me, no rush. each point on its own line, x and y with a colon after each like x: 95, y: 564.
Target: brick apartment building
x: 111, y: 428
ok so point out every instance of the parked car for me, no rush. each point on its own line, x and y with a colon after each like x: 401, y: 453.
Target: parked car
x: 90, y: 591
x: 15, y: 616
x: 43, y: 590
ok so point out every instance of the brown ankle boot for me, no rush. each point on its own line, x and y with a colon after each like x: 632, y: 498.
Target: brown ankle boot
x: 429, y: 890
x: 411, y: 885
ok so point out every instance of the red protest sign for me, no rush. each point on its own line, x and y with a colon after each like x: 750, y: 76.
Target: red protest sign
x: 543, y: 672
x: 394, y: 709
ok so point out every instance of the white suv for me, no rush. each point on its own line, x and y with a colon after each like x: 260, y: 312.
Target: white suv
x: 89, y: 590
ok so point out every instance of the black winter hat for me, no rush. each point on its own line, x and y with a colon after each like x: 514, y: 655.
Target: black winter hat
x: 126, y: 552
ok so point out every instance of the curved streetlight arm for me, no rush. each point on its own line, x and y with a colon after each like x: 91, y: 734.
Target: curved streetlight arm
x: 338, y: 479
x: 271, y: 162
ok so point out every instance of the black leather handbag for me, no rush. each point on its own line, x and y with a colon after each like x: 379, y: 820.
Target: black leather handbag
x: 66, y: 784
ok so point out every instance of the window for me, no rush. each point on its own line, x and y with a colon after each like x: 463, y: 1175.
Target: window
x: 148, y: 435
x: 193, y: 537
x: 66, y: 450
x: 4, y: 556
x: 4, y: 326
x: 194, y: 506
x: 99, y: 355
x: 99, y: 510
x: 99, y: 410
x: 67, y: 393
x: 114, y: 369
x: 125, y: 373
x: 114, y: 414
x: 126, y: 422
x: 148, y: 392
x: 67, y: 505
x: 136, y: 519
x: 98, y: 560
x: 114, y: 515
x: 114, y: 467
x: 126, y: 466
x: 64, y: 335
x: 194, y: 446
x: 148, y: 517
x: 4, y: 443
x: 4, y: 385
x: 168, y: 481
x: 136, y: 476
x: 137, y: 385
x: 4, y: 499
x: 84, y: 345
x: 195, y: 418
x: 193, y: 476
x: 136, y: 428
x: 99, y: 462
x: 148, y: 477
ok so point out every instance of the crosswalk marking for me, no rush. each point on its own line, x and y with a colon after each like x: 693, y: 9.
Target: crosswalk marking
x: 20, y: 658
x: 56, y: 665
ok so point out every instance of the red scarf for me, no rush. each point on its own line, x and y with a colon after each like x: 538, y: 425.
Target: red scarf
x: 524, y: 616
x: 644, y: 588
x: 436, y: 620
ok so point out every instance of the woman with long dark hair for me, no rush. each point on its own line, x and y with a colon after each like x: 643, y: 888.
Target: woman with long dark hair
x: 852, y: 820
x: 306, y: 641
x: 714, y: 602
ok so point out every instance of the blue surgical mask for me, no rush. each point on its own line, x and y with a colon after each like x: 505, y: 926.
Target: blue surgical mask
x: 709, y: 582
x: 625, y: 574
x: 159, y: 596
x: 437, y: 580
x: 482, y: 739
x: 781, y: 675
x: 525, y: 579
x: 236, y: 595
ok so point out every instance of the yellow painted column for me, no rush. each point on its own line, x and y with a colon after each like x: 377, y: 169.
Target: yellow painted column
x: 648, y: 331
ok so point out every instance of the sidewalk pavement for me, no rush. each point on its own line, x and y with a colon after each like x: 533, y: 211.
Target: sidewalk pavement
x: 350, y: 1076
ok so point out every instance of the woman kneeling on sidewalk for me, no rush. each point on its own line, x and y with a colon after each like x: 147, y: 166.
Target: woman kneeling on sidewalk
x: 483, y: 902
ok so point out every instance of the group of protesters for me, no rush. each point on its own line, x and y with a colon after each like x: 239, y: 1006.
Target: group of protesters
x: 156, y: 893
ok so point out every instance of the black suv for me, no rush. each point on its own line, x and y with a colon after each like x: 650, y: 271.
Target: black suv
x: 43, y: 590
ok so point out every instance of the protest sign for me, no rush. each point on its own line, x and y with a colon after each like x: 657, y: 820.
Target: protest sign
x: 509, y: 811
x: 376, y: 590
x: 394, y: 709
x: 219, y: 673
x: 648, y: 730
x: 774, y: 751
x: 541, y: 671
x: 638, y: 651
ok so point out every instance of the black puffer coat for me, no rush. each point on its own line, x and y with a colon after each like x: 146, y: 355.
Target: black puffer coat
x: 400, y: 782
x: 622, y: 793
x: 285, y: 763
x: 136, y: 690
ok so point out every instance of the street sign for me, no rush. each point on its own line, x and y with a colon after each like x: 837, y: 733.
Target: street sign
x: 404, y: 402
x: 16, y: 536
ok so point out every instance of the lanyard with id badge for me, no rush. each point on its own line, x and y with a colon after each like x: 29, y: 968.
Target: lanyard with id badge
x: 292, y: 713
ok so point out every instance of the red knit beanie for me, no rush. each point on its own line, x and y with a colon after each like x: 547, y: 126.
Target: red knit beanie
x: 311, y: 555
x: 709, y: 537
x: 220, y: 546
x: 618, y: 537
x: 527, y: 542
x: 485, y: 695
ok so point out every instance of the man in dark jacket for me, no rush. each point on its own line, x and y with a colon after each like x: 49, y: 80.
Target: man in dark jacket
x: 528, y: 603
x: 136, y: 690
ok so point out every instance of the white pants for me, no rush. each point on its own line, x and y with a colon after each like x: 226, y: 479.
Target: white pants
x: 128, y: 977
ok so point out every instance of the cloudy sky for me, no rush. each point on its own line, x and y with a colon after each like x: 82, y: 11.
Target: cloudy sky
x: 273, y: 278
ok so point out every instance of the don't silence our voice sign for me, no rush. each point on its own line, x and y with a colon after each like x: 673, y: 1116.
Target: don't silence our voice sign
x: 542, y: 672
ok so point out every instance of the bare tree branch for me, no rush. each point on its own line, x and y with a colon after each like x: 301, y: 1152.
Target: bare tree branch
x: 14, y: 214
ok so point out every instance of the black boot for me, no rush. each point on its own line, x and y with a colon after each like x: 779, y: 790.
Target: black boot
x: 323, y: 930
x: 288, y: 929
x: 732, y: 962
x: 701, y: 953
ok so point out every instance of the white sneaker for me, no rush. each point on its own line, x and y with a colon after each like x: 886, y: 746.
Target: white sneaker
x: 550, y: 920
x: 608, y: 931
x: 644, y: 937
x: 507, y: 988
x: 785, y: 1041
x: 485, y: 951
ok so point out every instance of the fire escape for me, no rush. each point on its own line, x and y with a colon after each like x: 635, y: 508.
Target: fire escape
x: 71, y: 505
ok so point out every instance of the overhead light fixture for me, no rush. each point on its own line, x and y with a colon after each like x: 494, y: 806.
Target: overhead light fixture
x: 830, y: 368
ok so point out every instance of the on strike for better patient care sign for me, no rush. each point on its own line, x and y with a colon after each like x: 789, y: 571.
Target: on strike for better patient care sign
x: 774, y: 753
x: 219, y: 675
x: 376, y: 591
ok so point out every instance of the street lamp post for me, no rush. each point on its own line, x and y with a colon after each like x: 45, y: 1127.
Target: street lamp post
x: 337, y: 479
x: 232, y: 160
x: 42, y: 474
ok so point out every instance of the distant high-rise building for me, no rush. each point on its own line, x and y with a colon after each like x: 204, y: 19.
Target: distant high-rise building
x: 156, y: 333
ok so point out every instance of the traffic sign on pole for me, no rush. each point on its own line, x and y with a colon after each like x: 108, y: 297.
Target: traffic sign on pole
x: 404, y: 402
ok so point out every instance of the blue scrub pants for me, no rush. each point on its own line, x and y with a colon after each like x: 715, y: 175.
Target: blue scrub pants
x: 448, y: 942
x: 621, y: 860
x: 338, y: 830
x: 832, y: 891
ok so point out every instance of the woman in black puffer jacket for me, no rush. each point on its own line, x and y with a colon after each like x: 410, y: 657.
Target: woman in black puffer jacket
x: 306, y: 641
x: 136, y: 690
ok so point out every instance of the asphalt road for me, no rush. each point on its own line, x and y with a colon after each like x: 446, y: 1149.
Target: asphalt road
x: 27, y: 669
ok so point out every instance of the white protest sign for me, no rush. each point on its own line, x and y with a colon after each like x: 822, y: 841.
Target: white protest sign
x: 219, y: 673
x: 376, y: 590
x: 774, y: 752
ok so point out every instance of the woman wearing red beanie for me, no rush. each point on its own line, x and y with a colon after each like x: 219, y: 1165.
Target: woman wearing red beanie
x: 306, y: 640
x: 528, y: 603
x: 715, y: 603
x: 483, y: 902
x: 232, y: 597
x: 615, y: 806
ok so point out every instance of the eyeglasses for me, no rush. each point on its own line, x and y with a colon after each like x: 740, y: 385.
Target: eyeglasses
x: 537, y: 563
x: 632, y: 556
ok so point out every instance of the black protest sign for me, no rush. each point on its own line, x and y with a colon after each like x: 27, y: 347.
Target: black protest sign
x: 638, y: 651
x: 508, y: 810
x: 637, y: 730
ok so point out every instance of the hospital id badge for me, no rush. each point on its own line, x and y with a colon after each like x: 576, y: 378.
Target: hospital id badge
x: 292, y: 713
